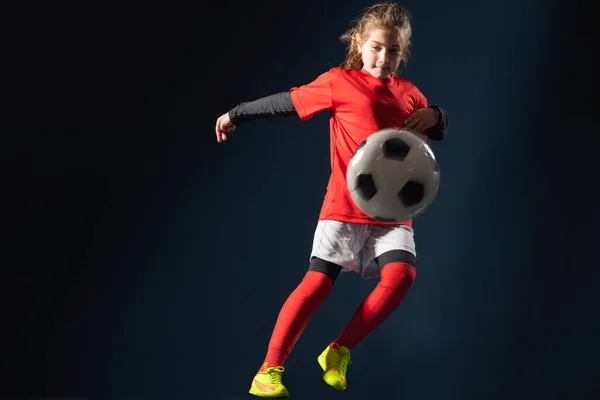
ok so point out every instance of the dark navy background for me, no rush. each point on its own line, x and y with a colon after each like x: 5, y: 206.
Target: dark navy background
x: 143, y: 260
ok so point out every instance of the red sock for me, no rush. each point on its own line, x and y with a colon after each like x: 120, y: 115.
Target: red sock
x: 396, y: 279
x: 294, y: 316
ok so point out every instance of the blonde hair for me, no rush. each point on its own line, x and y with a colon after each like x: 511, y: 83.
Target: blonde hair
x: 377, y: 16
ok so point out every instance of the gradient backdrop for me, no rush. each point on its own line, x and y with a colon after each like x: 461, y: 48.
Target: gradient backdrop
x: 144, y: 261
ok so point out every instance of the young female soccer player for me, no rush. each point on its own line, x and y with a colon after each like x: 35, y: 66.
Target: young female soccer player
x: 364, y: 95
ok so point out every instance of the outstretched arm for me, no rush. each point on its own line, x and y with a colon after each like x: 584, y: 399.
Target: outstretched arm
x: 303, y: 101
x: 279, y: 104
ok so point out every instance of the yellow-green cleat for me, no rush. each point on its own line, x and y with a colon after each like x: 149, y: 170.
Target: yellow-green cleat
x: 334, y: 361
x: 268, y: 384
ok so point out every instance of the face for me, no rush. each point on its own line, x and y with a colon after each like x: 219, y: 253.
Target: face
x: 381, y: 52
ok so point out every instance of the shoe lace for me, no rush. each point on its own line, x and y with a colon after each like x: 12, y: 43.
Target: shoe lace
x: 342, y: 360
x: 274, y: 374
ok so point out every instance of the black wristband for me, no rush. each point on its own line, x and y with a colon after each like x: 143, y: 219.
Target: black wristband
x: 439, y: 131
x: 438, y: 112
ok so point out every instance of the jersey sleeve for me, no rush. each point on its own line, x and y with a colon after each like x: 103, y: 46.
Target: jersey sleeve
x: 313, y: 97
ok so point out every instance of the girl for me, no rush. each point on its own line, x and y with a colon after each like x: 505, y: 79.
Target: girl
x: 364, y: 95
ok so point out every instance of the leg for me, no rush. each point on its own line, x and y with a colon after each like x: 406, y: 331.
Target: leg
x: 298, y: 308
x: 292, y: 320
x: 335, y: 246
x: 397, y: 276
x: 395, y: 259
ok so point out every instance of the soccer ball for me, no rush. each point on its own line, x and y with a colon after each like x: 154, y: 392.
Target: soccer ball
x: 393, y: 176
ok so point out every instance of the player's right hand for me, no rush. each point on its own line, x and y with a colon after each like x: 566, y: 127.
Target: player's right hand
x: 224, y: 126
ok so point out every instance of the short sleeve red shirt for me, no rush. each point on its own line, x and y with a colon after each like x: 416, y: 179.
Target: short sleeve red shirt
x: 360, y: 105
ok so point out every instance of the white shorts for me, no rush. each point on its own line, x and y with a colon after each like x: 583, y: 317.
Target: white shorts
x: 355, y: 246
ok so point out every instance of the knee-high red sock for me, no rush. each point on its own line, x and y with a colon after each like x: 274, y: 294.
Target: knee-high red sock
x: 396, y: 279
x: 294, y: 316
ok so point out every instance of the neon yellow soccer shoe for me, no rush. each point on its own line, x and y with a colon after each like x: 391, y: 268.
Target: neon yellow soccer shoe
x: 268, y: 384
x: 334, y: 360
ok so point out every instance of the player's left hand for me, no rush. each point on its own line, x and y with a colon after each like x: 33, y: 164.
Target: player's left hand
x: 421, y: 120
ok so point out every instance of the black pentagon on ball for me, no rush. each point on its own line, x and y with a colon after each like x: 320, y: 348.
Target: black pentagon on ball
x: 366, y: 186
x: 411, y: 194
x: 395, y: 149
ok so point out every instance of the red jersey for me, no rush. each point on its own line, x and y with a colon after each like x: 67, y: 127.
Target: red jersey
x: 360, y: 105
